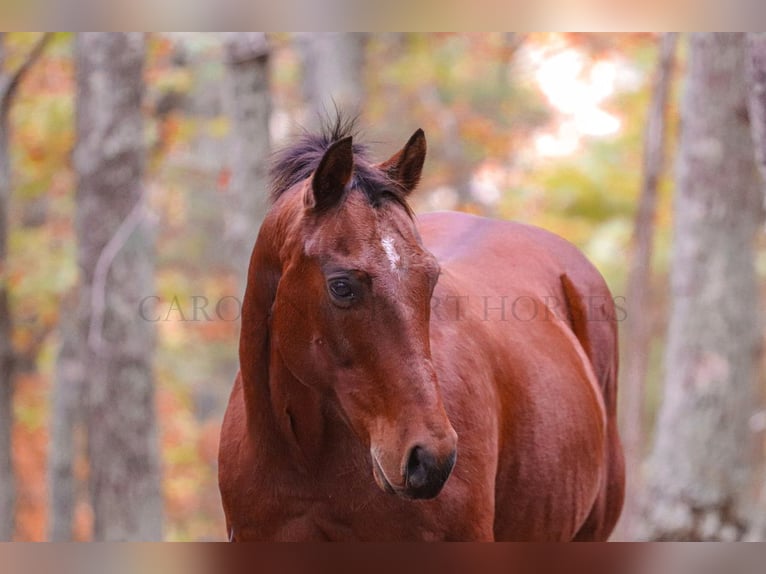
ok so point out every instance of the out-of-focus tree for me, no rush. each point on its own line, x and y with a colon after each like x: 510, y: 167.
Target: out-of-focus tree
x: 115, y: 260
x: 9, y: 83
x: 637, y: 329
x: 333, y: 71
x: 701, y: 472
x: 756, y: 75
x: 249, y: 106
x: 66, y: 416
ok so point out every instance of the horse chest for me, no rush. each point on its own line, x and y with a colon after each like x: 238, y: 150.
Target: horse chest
x: 315, y: 508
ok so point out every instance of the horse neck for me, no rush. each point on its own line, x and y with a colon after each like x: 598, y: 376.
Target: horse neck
x: 254, y: 341
x: 301, y: 415
x: 285, y: 415
x: 289, y: 418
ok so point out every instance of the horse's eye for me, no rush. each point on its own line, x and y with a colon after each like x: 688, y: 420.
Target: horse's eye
x: 341, y: 289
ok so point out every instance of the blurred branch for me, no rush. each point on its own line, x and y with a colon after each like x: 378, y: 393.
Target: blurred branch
x: 101, y: 272
x: 11, y: 83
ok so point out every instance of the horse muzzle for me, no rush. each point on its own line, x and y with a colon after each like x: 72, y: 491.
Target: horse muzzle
x: 424, y: 474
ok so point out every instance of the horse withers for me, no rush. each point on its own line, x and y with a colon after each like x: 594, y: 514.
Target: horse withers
x: 440, y: 377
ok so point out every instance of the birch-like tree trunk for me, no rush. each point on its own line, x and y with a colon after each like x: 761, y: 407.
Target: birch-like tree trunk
x: 249, y: 103
x: 333, y: 71
x: 115, y: 260
x: 701, y: 472
x: 638, y: 327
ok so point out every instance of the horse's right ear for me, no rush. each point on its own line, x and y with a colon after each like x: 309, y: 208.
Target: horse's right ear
x: 328, y: 186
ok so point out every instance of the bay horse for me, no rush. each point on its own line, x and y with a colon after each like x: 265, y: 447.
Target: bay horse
x: 439, y: 377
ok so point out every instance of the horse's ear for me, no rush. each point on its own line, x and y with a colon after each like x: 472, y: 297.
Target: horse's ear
x: 406, y: 165
x: 328, y: 185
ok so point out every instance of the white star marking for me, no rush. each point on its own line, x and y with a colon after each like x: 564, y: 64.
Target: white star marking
x: 393, y: 256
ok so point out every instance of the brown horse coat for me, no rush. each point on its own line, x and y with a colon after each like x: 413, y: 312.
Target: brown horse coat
x: 361, y: 374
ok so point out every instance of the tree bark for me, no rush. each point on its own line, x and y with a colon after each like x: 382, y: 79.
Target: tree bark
x: 638, y: 328
x: 7, y: 485
x: 333, y: 71
x: 249, y: 102
x: 756, y: 75
x: 701, y: 470
x: 66, y: 416
x: 9, y: 83
x: 115, y: 254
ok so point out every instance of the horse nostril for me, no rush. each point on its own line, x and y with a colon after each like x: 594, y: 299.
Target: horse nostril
x: 417, y: 467
x: 425, y: 474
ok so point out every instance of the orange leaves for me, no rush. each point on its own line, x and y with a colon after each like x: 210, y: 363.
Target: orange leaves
x: 189, y: 453
x: 30, y: 442
x: 483, y: 129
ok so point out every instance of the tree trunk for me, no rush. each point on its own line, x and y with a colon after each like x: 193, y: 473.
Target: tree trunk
x: 756, y: 72
x: 701, y: 470
x: 115, y: 259
x: 66, y: 415
x: 333, y: 71
x: 249, y: 102
x: 637, y: 332
x: 7, y: 487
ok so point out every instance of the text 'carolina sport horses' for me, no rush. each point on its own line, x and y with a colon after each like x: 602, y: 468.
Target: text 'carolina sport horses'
x: 439, y: 377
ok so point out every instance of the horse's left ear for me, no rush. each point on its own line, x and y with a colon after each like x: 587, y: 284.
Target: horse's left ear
x: 406, y: 165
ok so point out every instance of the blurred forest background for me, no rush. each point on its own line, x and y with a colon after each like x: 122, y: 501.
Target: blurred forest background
x: 133, y: 177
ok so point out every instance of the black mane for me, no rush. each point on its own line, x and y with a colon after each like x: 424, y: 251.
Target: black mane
x: 299, y: 160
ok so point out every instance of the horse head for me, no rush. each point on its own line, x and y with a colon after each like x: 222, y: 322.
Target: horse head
x: 340, y: 289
